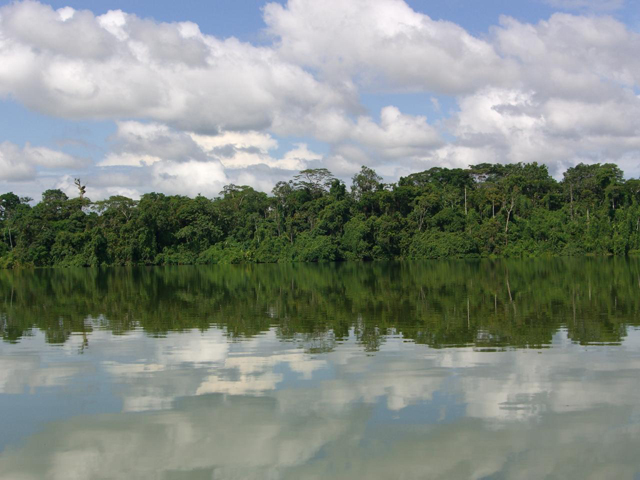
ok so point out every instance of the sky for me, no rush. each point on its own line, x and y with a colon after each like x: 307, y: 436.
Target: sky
x: 186, y: 97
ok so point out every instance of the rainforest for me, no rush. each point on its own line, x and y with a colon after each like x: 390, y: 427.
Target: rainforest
x: 486, y: 210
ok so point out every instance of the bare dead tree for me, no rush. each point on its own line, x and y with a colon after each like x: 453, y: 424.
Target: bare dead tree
x: 81, y: 188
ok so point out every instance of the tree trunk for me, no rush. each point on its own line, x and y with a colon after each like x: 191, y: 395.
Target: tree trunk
x: 571, y: 193
x: 465, y: 200
x: 506, y: 227
x: 421, y: 218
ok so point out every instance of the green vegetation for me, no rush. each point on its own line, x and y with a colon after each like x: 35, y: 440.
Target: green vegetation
x: 485, y: 303
x: 487, y: 210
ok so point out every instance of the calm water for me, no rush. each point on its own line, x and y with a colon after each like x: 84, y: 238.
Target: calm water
x: 452, y: 370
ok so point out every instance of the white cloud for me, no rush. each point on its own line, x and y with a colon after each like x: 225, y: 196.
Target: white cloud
x: 397, y: 135
x: 244, y: 140
x: 517, y: 126
x: 383, y: 43
x: 190, y: 177
x: 559, y: 91
x: 175, y: 162
x: 347, y: 160
x: 102, y: 185
x: 137, y: 144
x: 48, y: 158
x: 118, y: 65
x: 298, y: 158
x: 13, y: 165
x: 20, y: 164
x: 128, y: 159
x: 569, y: 99
x: 575, y: 57
x: 243, y: 149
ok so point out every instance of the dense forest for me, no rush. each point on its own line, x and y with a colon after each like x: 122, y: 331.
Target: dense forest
x: 486, y: 210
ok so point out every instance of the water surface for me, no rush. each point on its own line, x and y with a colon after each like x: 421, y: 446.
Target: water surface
x: 482, y: 370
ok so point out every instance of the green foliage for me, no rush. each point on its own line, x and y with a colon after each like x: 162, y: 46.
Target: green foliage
x: 438, y: 244
x: 225, y: 254
x: 515, y: 210
x: 319, y: 248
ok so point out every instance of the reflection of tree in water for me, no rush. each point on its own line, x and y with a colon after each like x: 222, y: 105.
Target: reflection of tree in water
x: 481, y: 303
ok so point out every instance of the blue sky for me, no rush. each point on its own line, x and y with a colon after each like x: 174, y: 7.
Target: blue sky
x: 399, y: 85
x: 243, y: 18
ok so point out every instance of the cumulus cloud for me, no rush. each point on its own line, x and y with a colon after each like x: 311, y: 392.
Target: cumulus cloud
x: 243, y: 149
x: 566, y: 84
x: 519, y: 126
x: 577, y: 57
x: 575, y: 101
x: 396, y: 135
x: 383, y: 43
x: 137, y: 144
x: 392, y: 144
x: 559, y: 91
x: 153, y: 156
x: 20, y: 163
x: 206, y: 178
x: 77, y: 65
x: 13, y: 165
x: 262, y: 142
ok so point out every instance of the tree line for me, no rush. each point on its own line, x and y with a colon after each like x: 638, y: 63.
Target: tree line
x: 487, y: 210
